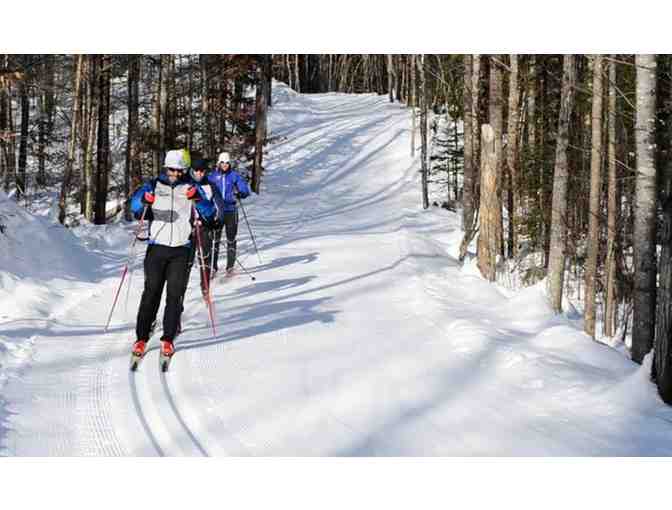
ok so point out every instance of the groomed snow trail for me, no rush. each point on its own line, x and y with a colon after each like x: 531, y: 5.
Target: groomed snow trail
x: 361, y: 335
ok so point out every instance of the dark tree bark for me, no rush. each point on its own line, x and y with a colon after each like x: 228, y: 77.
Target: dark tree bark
x: 260, y: 126
x: 132, y: 175
x: 644, y: 234
x: 103, y: 155
x: 468, y: 168
x: 662, y: 363
x: 23, y: 140
x: 72, y: 144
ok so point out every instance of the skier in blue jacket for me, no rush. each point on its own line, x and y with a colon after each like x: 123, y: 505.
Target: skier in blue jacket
x: 231, y: 187
x: 171, y: 203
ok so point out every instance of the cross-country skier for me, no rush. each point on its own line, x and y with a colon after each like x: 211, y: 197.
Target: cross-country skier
x: 198, y: 174
x: 231, y: 186
x: 173, y: 202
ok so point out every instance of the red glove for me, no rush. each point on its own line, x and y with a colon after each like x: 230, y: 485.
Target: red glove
x: 192, y: 193
x: 148, y: 198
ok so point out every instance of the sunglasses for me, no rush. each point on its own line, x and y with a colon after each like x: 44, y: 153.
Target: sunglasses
x: 199, y: 170
x: 178, y: 170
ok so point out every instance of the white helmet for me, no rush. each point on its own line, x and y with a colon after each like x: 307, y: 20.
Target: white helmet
x: 176, y: 159
x: 224, y: 157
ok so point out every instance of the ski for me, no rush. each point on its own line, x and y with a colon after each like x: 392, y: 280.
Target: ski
x: 136, y: 360
x: 164, y: 362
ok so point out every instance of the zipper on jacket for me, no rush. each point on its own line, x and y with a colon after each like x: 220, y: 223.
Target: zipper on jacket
x: 172, y: 211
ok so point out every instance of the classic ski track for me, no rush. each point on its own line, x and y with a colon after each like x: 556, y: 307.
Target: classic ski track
x: 197, y: 364
x: 156, y: 413
x: 295, y: 225
x: 92, y: 378
x: 140, y: 413
x: 178, y: 415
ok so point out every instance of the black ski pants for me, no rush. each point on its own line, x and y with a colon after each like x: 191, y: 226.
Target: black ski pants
x: 231, y: 228
x: 164, y: 265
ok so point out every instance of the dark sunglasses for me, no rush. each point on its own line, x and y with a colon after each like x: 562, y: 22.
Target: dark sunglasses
x: 179, y: 170
x: 199, y: 169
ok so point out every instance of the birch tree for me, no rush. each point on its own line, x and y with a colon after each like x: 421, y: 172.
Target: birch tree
x: 612, y: 210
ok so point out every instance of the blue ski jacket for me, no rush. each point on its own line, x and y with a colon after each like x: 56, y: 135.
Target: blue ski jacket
x: 227, y: 184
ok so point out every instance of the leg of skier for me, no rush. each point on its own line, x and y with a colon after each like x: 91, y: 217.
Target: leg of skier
x: 231, y: 225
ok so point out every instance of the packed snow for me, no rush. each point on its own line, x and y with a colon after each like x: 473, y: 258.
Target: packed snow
x: 361, y: 336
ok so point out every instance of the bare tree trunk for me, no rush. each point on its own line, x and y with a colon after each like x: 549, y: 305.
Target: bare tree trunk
x: 132, y: 174
x: 595, y: 192
x: 390, y: 77
x: 67, y: 173
x: 163, y: 120
x: 206, y: 106
x: 423, y: 132
x: 92, y: 103
x: 475, y: 125
x: 468, y: 168
x: 157, y: 122
x: 512, y: 153
x: 190, y: 105
x: 103, y: 159
x: 535, y: 197
x: 260, y: 127
x: 413, y: 104
x: 497, y: 121
x: 644, y: 234
x: 662, y: 362
x: 397, y: 79
x: 297, y: 83
x: 556, y: 266
x: 613, y: 211
x: 489, y: 206
x: 23, y: 141
x: 268, y: 92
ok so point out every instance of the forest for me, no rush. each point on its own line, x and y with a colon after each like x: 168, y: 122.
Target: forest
x: 558, y: 164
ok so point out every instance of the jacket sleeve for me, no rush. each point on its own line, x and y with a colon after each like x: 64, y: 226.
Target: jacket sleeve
x: 137, y: 206
x: 205, y: 206
x: 242, y: 186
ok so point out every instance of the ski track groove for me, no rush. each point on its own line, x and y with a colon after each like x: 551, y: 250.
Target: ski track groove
x: 178, y: 415
x: 141, y: 415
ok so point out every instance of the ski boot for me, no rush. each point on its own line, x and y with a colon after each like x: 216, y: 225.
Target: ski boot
x: 167, y: 351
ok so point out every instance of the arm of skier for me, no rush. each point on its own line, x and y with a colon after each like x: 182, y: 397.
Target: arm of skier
x: 242, y: 187
x: 205, y: 206
x: 141, y: 198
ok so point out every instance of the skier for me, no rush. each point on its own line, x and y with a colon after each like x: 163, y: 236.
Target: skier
x: 231, y: 187
x: 170, y: 203
x: 198, y: 174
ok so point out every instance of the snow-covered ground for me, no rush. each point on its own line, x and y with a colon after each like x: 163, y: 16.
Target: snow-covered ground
x: 362, y: 335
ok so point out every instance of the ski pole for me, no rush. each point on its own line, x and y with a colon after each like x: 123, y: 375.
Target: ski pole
x: 205, y: 278
x: 254, y: 242
x: 123, y: 273
x: 246, y: 271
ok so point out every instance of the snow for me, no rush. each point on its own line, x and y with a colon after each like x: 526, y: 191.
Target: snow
x: 362, y: 335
